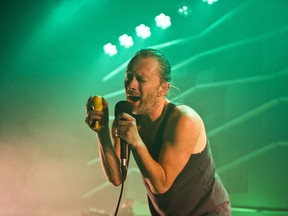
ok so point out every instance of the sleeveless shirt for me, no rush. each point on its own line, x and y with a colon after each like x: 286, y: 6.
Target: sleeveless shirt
x: 195, y: 191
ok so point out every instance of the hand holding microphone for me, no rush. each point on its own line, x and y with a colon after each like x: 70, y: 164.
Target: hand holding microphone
x: 123, y: 107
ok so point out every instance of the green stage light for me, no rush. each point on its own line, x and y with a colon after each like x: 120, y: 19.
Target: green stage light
x: 110, y: 49
x: 210, y: 2
x: 162, y: 21
x: 126, y: 41
x: 143, y: 31
x: 184, y: 10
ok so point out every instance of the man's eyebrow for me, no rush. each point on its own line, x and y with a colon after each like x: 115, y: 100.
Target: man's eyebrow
x: 129, y: 73
x: 135, y: 74
x: 141, y: 76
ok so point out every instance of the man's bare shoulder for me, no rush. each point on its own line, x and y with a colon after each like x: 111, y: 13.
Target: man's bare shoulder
x: 186, y: 123
x: 186, y: 113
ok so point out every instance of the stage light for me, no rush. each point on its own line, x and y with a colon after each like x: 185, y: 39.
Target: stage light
x: 162, y: 21
x: 110, y: 49
x: 126, y: 41
x: 143, y: 31
x: 184, y: 9
x: 210, y: 2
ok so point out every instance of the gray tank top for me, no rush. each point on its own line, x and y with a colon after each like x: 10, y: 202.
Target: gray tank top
x: 196, y: 190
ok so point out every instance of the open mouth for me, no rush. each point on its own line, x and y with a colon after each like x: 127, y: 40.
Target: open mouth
x: 134, y: 98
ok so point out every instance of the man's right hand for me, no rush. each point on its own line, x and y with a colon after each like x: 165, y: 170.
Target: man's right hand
x: 92, y: 115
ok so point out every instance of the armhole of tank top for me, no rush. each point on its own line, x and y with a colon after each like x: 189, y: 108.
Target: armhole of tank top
x: 159, y: 137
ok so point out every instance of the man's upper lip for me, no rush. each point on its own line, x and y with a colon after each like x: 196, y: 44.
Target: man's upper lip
x: 132, y: 95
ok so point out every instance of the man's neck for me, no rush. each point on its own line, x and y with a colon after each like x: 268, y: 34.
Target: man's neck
x: 158, y: 110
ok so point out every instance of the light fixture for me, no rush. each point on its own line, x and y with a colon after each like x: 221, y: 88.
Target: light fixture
x: 162, y: 21
x: 126, y: 41
x: 110, y: 49
x: 210, y: 2
x: 143, y: 31
x: 184, y: 9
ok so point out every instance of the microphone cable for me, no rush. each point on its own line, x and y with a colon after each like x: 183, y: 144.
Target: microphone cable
x: 119, y: 200
x: 124, y: 174
x: 122, y: 107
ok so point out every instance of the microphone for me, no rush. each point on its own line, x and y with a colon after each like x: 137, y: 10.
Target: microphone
x: 123, y: 107
x: 97, y: 104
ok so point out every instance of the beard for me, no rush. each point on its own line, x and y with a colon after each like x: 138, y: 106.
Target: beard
x: 146, y: 105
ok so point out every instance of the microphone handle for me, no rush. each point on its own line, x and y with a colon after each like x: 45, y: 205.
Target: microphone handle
x: 123, y: 107
x: 123, y: 152
x: 123, y: 158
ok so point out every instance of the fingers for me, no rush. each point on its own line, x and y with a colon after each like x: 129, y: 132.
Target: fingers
x: 124, y: 120
x: 116, y: 132
x: 96, y: 117
x: 89, y: 104
x: 92, y: 116
x: 104, y: 103
x: 124, y: 125
x: 120, y: 132
x: 90, y: 122
x: 124, y: 116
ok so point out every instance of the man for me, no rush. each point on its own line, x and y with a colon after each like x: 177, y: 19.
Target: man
x: 169, y: 143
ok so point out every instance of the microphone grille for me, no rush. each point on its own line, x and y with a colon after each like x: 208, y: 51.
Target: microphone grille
x: 123, y: 107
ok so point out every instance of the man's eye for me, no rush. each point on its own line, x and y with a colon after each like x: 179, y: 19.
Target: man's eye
x: 128, y: 78
x: 140, y: 80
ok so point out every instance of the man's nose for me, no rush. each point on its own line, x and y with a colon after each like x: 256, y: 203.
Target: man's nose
x: 133, y: 83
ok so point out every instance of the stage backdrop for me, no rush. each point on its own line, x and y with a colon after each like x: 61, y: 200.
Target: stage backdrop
x: 229, y: 62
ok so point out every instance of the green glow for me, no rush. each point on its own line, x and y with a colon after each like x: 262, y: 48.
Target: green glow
x: 229, y: 61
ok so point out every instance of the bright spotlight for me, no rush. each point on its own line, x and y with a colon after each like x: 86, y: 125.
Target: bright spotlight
x: 110, y: 49
x: 210, y: 2
x: 126, y: 41
x: 143, y: 31
x: 162, y: 21
x: 184, y: 10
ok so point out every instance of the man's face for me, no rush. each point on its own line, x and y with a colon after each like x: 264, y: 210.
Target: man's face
x: 142, y: 85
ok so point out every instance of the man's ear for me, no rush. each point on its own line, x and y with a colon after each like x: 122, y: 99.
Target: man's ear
x: 164, y: 89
